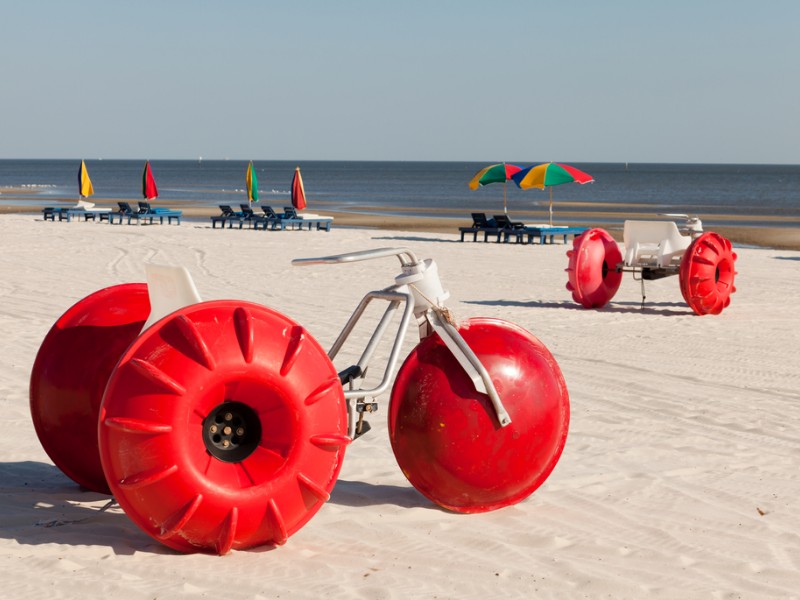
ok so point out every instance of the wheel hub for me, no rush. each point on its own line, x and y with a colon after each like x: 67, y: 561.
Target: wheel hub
x: 232, y: 431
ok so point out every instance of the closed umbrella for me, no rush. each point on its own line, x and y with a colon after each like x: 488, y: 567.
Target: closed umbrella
x: 298, y: 191
x: 149, y: 189
x: 85, y: 188
x: 251, y: 180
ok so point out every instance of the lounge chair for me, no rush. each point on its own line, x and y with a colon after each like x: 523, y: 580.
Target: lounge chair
x: 125, y: 210
x: 250, y: 217
x: 86, y: 210
x: 229, y: 216
x: 505, y: 226
x: 480, y: 224
x: 291, y: 218
x: 147, y: 211
x: 49, y: 213
x: 269, y: 220
x: 545, y: 231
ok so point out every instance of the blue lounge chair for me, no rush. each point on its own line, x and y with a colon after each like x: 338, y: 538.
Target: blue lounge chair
x: 550, y: 232
x: 147, y: 211
x: 292, y: 219
x: 227, y: 216
x: 289, y: 219
x: 49, y: 213
x: 269, y: 220
x: 250, y: 217
x: 125, y: 210
x: 505, y: 227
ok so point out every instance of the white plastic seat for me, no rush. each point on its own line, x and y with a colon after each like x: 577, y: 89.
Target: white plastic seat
x: 653, y: 243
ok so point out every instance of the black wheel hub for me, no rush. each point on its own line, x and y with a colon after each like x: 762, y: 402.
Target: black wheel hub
x: 232, y: 431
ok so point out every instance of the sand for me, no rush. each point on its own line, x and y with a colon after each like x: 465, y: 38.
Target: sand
x: 679, y: 478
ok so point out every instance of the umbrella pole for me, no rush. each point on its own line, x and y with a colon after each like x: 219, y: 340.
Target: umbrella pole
x: 505, y: 207
x: 551, y: 206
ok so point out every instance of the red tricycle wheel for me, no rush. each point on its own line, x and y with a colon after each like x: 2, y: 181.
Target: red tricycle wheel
x: 446, y: 436
x: 70, y: 373
x: 592, y: 270
x: 223, y: 426
x: 707, y: 274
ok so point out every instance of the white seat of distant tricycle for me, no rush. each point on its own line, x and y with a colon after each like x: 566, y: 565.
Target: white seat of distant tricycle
x: 653, y: 243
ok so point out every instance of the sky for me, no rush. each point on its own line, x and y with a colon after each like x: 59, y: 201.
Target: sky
x: 613, y: 81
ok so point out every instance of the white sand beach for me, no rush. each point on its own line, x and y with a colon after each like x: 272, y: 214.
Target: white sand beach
x: 679, y: 478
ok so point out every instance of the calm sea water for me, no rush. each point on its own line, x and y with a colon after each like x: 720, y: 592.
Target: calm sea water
x: 755, y: 193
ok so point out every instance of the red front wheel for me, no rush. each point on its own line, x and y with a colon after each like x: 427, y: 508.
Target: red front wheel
x: 592, y: 270
x: 223, y: 426
x: 707, y: 274
x: 445, y: 435
x: 70, y: 373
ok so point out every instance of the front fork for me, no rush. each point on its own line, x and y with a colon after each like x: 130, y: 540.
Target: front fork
x: 419, y: 290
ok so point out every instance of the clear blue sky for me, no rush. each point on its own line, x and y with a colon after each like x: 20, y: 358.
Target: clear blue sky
x: 634, y: 80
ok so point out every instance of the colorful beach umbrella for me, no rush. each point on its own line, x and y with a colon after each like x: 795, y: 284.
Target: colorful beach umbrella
x: 547, y: 175
x: 499, y: 173
x: 298, y: 191
x: 252, y: 183
x: 149, y: 189
x: 85, y: 188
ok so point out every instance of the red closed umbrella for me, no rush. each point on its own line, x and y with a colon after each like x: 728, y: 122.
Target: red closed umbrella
x: 298, y: 191
x: 149, y: 189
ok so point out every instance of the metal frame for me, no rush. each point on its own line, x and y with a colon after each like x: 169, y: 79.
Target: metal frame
x: 419, y: 288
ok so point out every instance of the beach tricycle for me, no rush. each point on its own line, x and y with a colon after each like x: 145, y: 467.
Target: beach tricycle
x: 222, y: 425
x: 704, y: 262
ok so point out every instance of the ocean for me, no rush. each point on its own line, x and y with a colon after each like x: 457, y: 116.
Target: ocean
x: 754, y: 195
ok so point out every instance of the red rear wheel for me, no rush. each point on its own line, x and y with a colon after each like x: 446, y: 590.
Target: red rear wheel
x: 592, y: 270
x: 707, y: 274
x: 70, y: 373
x: 445, y: 435
x: 223, y: 426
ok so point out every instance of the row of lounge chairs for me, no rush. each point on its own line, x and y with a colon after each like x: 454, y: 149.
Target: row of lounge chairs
x: 144, y: 214
x: 501, y: 228
x: 271, y: 220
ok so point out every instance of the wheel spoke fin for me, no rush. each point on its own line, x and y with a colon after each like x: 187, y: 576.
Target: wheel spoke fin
x: 322, y: 391
x: 276, y: 523
x: 228, y: 532
x: 179, y: 518
x: 245, y: 335
x: 704, y: 261
x: 200, y: 352
x: 330, y: 441
x: 146, y: 478
x: 156, y: 376
x: 313, y: 488
x: 296, y: 339
x: 711, y: 245
x: 137, y: 425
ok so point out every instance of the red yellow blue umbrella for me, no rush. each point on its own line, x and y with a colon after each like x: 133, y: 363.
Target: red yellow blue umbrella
x: 547, y: 175
x: 498, y: 173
